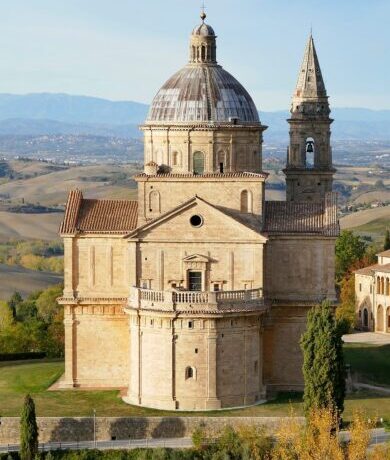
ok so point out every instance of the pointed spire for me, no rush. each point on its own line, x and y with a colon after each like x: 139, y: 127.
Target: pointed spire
x: 310, y: 82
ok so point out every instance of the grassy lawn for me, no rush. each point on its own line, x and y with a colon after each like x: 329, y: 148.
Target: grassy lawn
x: 371, y: 363
x: 17, y: 379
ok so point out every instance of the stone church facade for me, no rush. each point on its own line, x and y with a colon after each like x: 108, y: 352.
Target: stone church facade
x: 195, y: 296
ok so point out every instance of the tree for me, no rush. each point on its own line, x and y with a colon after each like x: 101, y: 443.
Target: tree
x: 28, y: 430
x: 47, y: 303
x: 6, y: 317
x: 349, y: 250
x: 345, y: 313
x: 13, y: 303
x: 386, y: 246
x: 323, y: 361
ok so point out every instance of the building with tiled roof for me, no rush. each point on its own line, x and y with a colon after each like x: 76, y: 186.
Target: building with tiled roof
x: 195, y: 295
x: 372, y: 290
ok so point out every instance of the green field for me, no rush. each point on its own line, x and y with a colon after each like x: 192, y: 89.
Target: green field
x: 376, y: 228
x: 17, y: 379
x: 371, y: 363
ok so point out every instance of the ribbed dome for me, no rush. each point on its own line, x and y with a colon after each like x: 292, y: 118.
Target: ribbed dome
x: 204, y: 29
x: 202, y: 93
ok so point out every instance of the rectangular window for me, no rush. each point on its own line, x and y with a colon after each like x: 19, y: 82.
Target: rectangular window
x: 190, y: 325
x: 360, y: 287
x: 195, y: 281
x: 216, y: 287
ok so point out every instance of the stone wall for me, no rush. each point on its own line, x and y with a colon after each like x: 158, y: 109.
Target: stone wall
x: 55, y: 429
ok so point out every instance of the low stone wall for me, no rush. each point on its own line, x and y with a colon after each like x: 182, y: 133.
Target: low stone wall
x: 66, y: 429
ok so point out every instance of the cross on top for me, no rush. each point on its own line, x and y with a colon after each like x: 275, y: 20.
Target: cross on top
x: 203, y: 13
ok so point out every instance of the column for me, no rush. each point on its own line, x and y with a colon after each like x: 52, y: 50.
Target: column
x: 70, y: 347
x: 68, y: 264
x: 212, y: 401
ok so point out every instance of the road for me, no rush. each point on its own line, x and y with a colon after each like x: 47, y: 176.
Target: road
x: 378, y: 436
x: 174, y: 443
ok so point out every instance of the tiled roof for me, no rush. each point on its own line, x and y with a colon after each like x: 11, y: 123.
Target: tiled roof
x: 302, y: 217
x: 207, y: 175
x: 98, y: 216
x: 372, y: 269
x: 384, y: 253
x: 367, y: 270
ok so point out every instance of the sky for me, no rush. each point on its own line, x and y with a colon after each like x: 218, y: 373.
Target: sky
x: 126, y: 49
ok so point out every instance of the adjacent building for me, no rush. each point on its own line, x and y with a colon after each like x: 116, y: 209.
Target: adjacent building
x: 372, y: 289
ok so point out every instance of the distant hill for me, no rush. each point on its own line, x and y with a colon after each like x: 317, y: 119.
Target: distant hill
x: 71, y: 109
x: 46, y: 113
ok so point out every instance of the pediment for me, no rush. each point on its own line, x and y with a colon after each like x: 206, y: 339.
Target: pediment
x: 197, y: 258
x: 217, y: 225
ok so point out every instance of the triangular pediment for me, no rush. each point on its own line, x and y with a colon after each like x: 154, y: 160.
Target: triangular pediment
x: 196, y: 258
x: 216, y: 225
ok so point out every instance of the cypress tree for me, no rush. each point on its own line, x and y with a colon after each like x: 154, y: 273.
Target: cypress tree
x: 323, y: 361
x: 387, y: 240
x: 28, y: 430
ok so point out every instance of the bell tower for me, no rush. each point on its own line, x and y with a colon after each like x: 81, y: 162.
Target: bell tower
x: 309, y: 171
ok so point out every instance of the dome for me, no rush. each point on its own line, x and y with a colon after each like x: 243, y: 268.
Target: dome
x: 202, y: 93
x: 205, y: 30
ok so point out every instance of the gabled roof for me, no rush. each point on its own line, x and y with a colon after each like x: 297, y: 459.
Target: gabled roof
x: 98, y: 216
x: 372, y: 269
x: 186, y: 205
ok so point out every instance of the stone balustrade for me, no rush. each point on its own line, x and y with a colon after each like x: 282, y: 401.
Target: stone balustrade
x: 175, y: 300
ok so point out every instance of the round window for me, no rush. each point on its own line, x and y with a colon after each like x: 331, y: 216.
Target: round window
x: 196, y: 221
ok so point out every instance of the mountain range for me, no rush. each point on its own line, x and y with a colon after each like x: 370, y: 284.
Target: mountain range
x: 48, y: 114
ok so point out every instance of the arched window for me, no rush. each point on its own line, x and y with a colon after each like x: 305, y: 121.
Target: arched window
x: 382, y: 285
x: 221, y: 161
x: 387, y: 286
x: 203, y: 53
x: 380, y: 319
x: 378, y: 285
x: 190, y: 373
x: 198, y: 163
x: 365, y: 318
x: 310, y: 152
x: 246, y: 201
x: 154, y: 202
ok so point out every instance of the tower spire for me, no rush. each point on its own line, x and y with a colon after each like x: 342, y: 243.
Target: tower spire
x: 310, y: 82
x: 309, y: 171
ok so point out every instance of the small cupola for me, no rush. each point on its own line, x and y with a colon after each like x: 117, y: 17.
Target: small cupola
x: 203, y: 44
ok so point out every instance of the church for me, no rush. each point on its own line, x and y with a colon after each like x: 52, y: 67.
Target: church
x: 195, y: 296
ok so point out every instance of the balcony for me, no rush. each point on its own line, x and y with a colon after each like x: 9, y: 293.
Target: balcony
x: 194, y: 301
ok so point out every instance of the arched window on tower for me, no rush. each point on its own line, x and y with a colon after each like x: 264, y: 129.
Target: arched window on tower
x: 378, y: 285
x: 246, y: 201
x: 198, y: 163
x: 154, y: 202
x: 190, y: 373
x: 310, y: 152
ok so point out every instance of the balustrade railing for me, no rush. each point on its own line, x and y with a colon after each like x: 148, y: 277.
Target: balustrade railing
x: 170, y: 300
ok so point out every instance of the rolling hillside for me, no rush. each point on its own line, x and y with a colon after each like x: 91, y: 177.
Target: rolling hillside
x: 25, y: 281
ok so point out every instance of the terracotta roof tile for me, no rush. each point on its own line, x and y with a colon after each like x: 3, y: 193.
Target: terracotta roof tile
x: 385, y: 253
x: 302, y: 217
x: 98, y: 216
